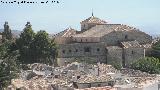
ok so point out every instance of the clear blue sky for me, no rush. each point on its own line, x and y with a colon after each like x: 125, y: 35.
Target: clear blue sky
x: 143, y: 14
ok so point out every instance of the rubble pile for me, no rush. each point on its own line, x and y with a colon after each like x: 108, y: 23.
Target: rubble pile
x: 99, y: 88
x: 79, y: 75
x: 135, y: 73
x: 93, y: 78
x: 105, y: 69
x: 38, y: 84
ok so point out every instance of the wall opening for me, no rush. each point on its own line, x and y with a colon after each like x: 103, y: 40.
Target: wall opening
x: 132, y: 52
x: 63, y: 51
x: 126, y: 36
x: 99, y: 85
x: 98, y: 49
x: 81, y: 40
x: 87, y: 49
x: 76, y: 50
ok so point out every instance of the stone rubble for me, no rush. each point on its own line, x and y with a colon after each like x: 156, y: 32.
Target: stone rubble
x: 64, y: 78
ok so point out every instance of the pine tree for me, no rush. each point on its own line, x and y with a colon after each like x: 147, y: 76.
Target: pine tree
x: 24, y: 43
x: 44, y: 49
x: 7, y: 34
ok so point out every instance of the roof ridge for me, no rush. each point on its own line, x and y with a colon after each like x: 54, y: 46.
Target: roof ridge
x: 94, y: 19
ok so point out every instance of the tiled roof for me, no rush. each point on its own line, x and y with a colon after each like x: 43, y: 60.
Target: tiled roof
x: 113, y: 47
x: 101, y: 30
x: 130, y: 44
x: 94, y: 19
x: 147, y: 46
x: 66, y: 33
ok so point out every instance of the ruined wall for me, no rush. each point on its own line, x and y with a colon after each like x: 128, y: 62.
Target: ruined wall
x: 115, y: 37
x: 89, y: 85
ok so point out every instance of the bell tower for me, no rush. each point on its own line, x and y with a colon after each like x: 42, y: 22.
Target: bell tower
x: 91, y: 22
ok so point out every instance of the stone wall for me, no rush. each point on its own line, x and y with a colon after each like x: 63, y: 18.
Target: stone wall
x: 91, y: 60
x: 89, y: 85
x: 115, y: 37
x: 87, y: 26
x: 123, y: 56
x: 63, y: 40
x: 86, y: 39
x: 81, y: 50
x: 114, y: 55
x: 97, y: 52
x: 132, y: 54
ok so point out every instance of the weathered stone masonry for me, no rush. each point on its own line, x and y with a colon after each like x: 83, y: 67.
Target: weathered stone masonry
x: 99, y: 41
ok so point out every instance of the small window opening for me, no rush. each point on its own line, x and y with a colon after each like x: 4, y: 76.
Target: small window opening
x: 81, y: 40
x: 99, y: 85
x: 126, y: 36
x: 98, y: 49
x: 76, y: 50
x: 78, y: 77
x: 87, y: 49
x: 63, y: 51
x: 132, y: 52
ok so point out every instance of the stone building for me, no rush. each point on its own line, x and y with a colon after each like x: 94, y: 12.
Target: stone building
x: 99, y: 41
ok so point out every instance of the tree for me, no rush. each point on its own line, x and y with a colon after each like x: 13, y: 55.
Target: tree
x: 116, y: 65
x: 156, y: 46
x: 7, y: 32
x: 44, y: 48
x: 35, y: 48
x: 9, y: 67
x: 147, y: 64
x: 8, y: 70
x: 156, y: 50
x: 24, y: 44
x: 6, y: 48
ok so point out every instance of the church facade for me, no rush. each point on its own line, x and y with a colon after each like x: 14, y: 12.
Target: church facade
x: 99, y: 41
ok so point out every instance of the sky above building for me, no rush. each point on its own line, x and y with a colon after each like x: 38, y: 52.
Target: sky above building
x: 55, y: 17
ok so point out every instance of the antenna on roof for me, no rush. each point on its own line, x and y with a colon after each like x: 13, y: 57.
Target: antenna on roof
x: 92, y: 13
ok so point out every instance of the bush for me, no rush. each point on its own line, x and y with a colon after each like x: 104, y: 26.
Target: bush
x: 147, y: 64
